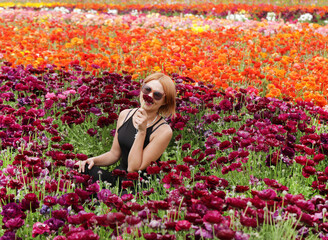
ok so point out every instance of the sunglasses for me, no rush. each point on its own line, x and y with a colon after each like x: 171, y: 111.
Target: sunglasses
x: 156, y: 95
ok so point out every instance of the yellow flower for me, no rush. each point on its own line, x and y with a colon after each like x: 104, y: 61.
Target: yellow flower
x: 157, y: 69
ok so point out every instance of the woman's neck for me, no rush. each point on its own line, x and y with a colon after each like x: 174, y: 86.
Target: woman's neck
x: 151, y: 115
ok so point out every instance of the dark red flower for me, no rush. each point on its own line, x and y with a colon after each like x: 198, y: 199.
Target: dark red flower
x: 126, y: 184
x: 133, y: 176
x: 225, y: 105
x: 153, y: 170
x: 182, y: 225
x: 80, y: 156
x: 225, y: 145
x: 148, y: 99
x: 248, y: 222
x: 213, y: 217
x: 67, y: 146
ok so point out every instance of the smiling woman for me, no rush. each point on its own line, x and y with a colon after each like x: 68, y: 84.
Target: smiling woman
x: 142, y: 134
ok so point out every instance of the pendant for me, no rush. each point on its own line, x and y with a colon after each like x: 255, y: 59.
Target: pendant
x: 135, y: 136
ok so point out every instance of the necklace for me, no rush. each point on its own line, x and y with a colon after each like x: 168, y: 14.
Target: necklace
x: 149, y: 124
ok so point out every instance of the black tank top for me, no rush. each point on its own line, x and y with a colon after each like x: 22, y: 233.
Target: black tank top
x: 126, y: 134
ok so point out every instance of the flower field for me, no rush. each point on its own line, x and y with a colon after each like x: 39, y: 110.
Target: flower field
x: 248, y: 158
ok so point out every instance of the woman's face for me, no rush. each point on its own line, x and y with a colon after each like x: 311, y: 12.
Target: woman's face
x: 155, y: 90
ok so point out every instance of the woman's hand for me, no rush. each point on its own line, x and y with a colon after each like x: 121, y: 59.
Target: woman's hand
x: 140, y: 120
x: 81, y: 164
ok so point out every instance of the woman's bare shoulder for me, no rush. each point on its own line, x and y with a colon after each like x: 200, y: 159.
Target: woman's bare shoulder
x: 164, y: 130
x: 123, y: 114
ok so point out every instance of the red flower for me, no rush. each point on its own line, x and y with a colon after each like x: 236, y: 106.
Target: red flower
x: 247, y: 221
x: 308, y: 170
x: 56, y: 139
x: 153, y: 170
x: 225, y: 105
x: 148, y: 99
x: 213, y: 217
x: 67, y: 146
x: 182, y: 225
x: 225, y: 145
x: 132, y: 176
x: 81, y: 156
x: 126, y: 184
x: 118, y: 172
x: 267, y: 194
x: 241, y: 189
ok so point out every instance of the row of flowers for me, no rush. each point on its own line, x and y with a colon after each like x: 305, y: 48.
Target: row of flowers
x: 288, y: 13
x: 219, y: 51
x: 237, y: 176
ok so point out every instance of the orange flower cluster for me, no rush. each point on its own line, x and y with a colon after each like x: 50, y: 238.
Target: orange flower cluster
x: 281, y: 60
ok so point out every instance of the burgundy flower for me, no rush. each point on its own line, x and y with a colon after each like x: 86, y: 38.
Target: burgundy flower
x: 132, y: 220
x: 71, y: 199
x: 225, y: 145
x: 248, y: 222
x: 127, y: 184
x: 14, y: 223
x: 82, y: 234
x: 172, y: 179
x: 225, y: 105
x: 67, y: 146
x: 118, y: 172
x: 49, y: 201
x: 103, y: 122
x: 241, y: 189
x: 30, y: 202
x: 132, y: 176
x: 92, y: 132
x: 60, y: 214
x: 39, y: 229
x: 225, y: 233
x: 213, y: 217
x: 153, y: 170
x: 81, y: 156
x: 54, y: 224
x: 148, y: 99
x: 150, y: 236
x: 267, y: 194
x: 308, y: 170
x: 185, y: 147
x: 182, y: 225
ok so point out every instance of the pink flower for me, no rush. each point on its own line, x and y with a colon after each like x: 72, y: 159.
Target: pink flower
x: 39, y: 229
x: 182, y: 225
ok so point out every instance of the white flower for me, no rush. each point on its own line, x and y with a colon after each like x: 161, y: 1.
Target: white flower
x: 112, y: 11
x: 271, y: 16
x: 92, y: 11
x: 134, y: 12
x: 307, y: 17
x: 61, y: 9
x: 77, y: 10
x: 237, y: 17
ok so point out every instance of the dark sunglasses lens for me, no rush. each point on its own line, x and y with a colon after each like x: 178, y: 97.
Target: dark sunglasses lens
x: 146, y: 90
x: 157, y: 96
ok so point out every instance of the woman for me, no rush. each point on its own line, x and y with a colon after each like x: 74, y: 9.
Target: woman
x: 142, y: 134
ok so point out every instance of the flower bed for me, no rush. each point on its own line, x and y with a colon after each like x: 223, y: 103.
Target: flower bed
x: 248, y: 155
x: 223, y: 52
x: 238, y: 164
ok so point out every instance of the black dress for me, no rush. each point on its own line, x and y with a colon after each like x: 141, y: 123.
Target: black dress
x: 126, y: 136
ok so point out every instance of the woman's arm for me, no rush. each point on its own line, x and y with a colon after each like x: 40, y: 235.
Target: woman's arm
x: 110, y: 157
x: 139, y: 158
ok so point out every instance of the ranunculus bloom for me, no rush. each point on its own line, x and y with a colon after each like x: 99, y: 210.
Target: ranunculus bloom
x: 14, y: 223
x: 225, y: 105
x: 39, y: 229
x: 182, y: 225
